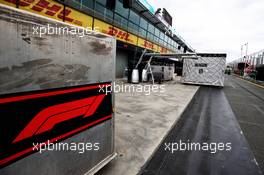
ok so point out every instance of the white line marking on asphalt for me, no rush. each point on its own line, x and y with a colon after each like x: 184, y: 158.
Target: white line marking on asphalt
x: 258, y: 108
x: 232, y: 86
x: 250, y: 123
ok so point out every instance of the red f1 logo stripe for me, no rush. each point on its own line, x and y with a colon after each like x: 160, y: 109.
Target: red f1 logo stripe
x: 46, y: 119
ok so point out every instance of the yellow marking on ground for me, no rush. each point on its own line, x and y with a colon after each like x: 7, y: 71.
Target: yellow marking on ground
x: 251, y: 82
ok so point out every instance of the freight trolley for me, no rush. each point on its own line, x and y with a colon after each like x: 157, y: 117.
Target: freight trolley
x: 56, y: 104
x: 207, y: 69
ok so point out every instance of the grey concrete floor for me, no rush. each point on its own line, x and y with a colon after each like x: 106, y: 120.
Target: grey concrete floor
x: 247, y: 102
x: 142, y: 121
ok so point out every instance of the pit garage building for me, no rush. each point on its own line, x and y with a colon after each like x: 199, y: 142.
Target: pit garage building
x: 133, y: 23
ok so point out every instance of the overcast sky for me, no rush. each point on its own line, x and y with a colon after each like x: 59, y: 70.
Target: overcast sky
x: 218, y: 25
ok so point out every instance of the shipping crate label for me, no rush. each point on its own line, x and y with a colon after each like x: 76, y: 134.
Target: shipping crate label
x: 52, y: 9
x: 49, y: 116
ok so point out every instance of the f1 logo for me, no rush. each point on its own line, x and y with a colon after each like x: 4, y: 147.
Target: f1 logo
x: 46, y: 119
x: 49, y: 115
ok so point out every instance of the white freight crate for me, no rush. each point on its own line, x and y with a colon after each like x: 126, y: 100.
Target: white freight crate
x: 208, y: 69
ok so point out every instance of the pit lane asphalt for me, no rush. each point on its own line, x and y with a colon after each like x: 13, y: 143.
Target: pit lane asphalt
x: 208, y: 118
x: 247, y: 102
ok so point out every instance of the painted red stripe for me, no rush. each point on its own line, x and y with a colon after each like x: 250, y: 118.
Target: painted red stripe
x: 32, y: 96
x: 14, y: 156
